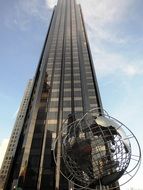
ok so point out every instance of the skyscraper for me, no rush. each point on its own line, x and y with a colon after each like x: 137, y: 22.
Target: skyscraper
x: 64, y: 83
x: 10, y: 153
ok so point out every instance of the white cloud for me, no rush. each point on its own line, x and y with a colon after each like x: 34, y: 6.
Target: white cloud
x: 132, y: 70
x: 101, y: 15
x: 105, y: 11
x: 3, y: 146
x: 32, y: 7
x: 115, y: 63
x: 51, y: 3
x: 24, y: 13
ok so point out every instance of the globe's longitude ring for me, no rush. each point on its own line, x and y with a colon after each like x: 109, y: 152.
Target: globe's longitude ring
x: 97, y: 151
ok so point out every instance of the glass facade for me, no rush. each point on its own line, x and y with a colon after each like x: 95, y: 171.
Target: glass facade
x: 64, y: 83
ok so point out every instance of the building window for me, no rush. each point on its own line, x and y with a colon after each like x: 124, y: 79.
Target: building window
x: 52, y: 121
x: 53, y: 110
x: 78, y: 109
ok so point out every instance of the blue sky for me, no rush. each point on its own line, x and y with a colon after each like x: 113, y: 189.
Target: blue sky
x: 115, y: 31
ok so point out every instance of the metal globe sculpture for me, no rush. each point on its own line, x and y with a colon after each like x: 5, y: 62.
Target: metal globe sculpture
x: 96, y: 151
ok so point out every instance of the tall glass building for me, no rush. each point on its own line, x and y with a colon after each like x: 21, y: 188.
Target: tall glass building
x: 64, y: 83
